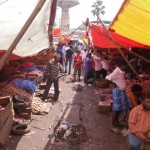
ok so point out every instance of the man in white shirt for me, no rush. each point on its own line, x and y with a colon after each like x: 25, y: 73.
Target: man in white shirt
x: 98, y: 65
x: 80, y: 47
x: 105, y: 67
x: 64, y: 48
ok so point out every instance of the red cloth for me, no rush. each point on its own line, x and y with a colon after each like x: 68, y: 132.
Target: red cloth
x: 56, y: 32
x: 78, y: 61
x: 11, y: 57
x: 27, y: 64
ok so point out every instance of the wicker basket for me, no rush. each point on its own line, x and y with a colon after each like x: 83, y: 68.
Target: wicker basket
x: 101, y: 83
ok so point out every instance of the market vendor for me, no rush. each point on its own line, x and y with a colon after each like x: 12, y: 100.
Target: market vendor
x: 54, y: 68
x: 121, y: 102
x: 139, y: 124
x: 135, y: 95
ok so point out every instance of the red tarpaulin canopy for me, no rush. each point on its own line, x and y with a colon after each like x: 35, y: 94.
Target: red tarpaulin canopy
x: 101, y: 41
x: 11, y: 57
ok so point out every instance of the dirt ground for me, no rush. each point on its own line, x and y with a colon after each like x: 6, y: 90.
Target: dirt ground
x: 79, y: 107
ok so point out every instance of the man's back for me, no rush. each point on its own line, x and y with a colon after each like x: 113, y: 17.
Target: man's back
x: 69, y: 53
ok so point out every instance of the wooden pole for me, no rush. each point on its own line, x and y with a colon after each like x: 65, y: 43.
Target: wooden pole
x: 137, y: 55
x: 87, y: 34
x: 73, y: 31
x: 118, y: 48
x: 21, y: 33
x: 53, y: 8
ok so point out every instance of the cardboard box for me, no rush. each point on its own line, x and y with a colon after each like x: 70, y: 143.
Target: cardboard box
x: 5, y: 100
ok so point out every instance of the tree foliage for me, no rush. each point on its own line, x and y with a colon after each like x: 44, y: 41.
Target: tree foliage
x: 98, y: 8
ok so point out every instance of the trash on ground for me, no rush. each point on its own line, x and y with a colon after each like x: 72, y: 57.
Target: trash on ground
x: 72, y: 134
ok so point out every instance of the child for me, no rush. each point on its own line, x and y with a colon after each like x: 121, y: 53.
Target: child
x: 77, y: 65
x: 135, y: 94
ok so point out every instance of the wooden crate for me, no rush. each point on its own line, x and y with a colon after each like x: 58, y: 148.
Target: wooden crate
x: 146, y: 146
x: 104, y: 106
x: 5, y: 100
x: 5, y: 131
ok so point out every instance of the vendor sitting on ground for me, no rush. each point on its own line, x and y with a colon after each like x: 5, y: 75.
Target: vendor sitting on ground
x: 135, y: 95
x: 121, y: 102
x: 139, y: 124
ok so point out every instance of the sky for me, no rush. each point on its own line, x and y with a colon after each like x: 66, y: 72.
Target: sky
x: 81, y: 12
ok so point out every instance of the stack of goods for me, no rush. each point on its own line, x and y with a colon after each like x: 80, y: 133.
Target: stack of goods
x: 11, y: 89
x: 22, y: 107
x: 37, y: 106
x: 104, y: 105
x: 145, y: 85
x: 107, y: 93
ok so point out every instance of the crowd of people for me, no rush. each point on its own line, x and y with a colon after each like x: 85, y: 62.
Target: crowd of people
x: 133, y: 107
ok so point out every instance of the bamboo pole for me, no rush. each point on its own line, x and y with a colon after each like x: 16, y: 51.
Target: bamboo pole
x: 21, y: 33
x: 137, y: 55
x: 73, y: 31
x: 87, y: 34
x: 53, y: 8
x: 118, y: 48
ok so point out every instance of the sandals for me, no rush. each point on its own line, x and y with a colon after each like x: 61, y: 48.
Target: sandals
x: 115, y: 130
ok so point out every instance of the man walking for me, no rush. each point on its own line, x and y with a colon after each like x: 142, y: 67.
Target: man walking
x: 69, y: 57
x: 54, y: 68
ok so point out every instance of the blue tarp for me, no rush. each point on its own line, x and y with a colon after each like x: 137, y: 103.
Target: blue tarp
x: 25, y: 84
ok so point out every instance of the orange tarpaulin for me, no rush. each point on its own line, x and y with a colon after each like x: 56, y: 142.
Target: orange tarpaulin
x: 103, y: 42
x: 133, y: 21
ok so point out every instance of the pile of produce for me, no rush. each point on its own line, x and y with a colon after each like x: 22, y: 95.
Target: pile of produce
x: 145, y: 85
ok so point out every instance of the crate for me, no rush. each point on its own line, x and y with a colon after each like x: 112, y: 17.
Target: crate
x: 146, y: 146
x: 5, y: 131
x: 101, y: 83
x: 104, y: 106
x: 5, y: 100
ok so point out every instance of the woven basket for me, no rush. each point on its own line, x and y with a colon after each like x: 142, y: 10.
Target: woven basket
x: 101, y: 83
